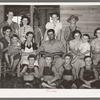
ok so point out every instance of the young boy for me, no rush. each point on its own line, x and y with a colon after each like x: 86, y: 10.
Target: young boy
x: 13, y: 50
x: 67, y: 73
x: 88, y: 75
x: 49, y: 76
x: 29, y: 74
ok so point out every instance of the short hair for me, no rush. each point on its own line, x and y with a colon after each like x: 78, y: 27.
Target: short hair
x: 49, y: 55
x: 15, y: 35
x: 5, y: 28
x: 51, y: 30
x: 71, y: 17
x: 32, y: 56
x: 30, y: 33
x: 87, y: 57
x: 55, y: 13
x: 95, y: 31
x: 26, y: 18
x: 87, y: 36
x: 68, y: 54
x: 76, y: 31
x: 7, y: 12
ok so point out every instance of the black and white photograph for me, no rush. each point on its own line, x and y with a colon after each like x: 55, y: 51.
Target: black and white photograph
x: 50, y: 46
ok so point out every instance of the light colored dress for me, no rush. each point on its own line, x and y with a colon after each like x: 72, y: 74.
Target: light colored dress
x: 23, y: 30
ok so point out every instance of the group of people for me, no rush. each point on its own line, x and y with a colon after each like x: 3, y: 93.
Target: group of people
x: 45, y: 62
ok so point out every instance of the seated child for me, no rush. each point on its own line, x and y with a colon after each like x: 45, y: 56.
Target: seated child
x: 49, y: 77
x: 30, y: 74
x: 88, y: 75
x: 13, y: 50
x: 67, y: 73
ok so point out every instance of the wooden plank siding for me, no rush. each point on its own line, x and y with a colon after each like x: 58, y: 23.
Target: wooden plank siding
x: 89, y: 17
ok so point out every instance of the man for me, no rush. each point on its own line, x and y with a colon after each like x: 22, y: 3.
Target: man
x: 54, y: 47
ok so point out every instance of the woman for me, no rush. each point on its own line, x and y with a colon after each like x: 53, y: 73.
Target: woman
x: 74, y: 49
x: 24, y: 28
x: 68, y: 33
x: 28, y: 47
x: 95, y: 44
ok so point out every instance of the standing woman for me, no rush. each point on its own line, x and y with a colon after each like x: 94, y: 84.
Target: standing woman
x: 57, y: 26
x: 68, y: 33
x: 14, y: 26
x: 24, y: 28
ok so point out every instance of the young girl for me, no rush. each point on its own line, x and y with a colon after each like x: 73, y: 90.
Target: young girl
x: 29, y: 74
x: 67, y: 73
x: 49, y: 76
x: 13, y: 50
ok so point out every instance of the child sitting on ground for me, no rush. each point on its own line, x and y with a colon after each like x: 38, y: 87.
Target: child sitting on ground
x: 13, y: 50
x: 30, y: 74
x: 67, y: 73
x: 49, y: 77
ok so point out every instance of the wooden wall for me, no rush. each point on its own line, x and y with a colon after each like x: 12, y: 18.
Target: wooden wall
x: 89, y: 17
x: 1, y: 13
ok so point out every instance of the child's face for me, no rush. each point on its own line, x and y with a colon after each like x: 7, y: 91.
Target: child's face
x: 88, y: 61
x: 54, y: 17
x: 98, y: 33
x: 85, y: 39
x: 14, y: 40
x: 30, y: 37
x: 7, y: 32
x: 31, y: 61
x: 67, y: 60
x: 48, y: 60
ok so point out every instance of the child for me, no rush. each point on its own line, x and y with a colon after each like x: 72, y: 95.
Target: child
x: 67, y: 73
x: 88, y: 75
x: 12, y: 50
x: 49, y: 76
x: 84, y: 48
x: 30, y: 74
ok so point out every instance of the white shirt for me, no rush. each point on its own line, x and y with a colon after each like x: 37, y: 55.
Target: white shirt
x: 57, y: 27
x: 85, y: 47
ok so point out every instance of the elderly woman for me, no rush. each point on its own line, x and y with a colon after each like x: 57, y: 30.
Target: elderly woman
x: 25, y: 28
x: 74, y: 49
x: 68, y: 33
